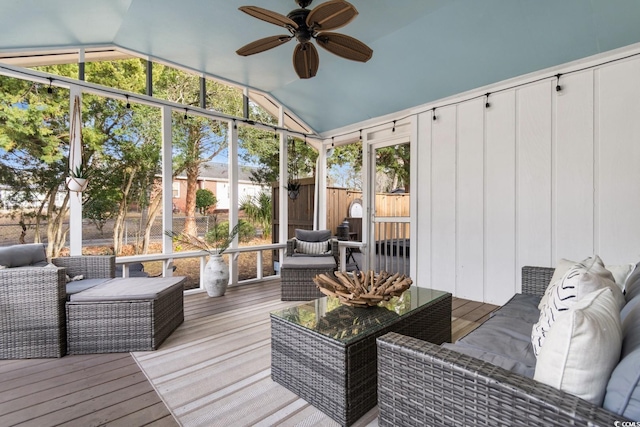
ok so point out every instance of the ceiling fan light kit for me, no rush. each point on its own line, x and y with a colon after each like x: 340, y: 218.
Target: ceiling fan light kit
x: 305, y: 25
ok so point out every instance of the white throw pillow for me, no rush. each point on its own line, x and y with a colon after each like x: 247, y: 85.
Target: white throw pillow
x: 583, y: 347
x: 565, y: 265
x: 312, y: 248
x: 620, y: 273
x: 582, y: 279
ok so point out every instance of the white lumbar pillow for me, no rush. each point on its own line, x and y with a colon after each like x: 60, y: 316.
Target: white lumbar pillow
x: 583, y: 347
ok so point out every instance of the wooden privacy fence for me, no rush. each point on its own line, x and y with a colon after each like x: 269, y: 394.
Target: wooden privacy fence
x: 338, y: 202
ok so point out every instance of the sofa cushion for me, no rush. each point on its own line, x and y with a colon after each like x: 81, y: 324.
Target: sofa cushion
x: 132, y: 288
x: 583, y: 347
x: 520, y: 306
x: 504, y: 336
x: 512, y: 365
x: 629, y: 307
x: 623, y: 388
x: 23, y: 255
x: 632, y: 286
x: 84, y: 284
x: 313, y: 235
x: 313, y: 248
x: 582, y: 279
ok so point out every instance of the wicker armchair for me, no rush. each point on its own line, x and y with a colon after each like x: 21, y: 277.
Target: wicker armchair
x: 297, y: 272
x: 421, y: 384
x: 32, y: 305
x: 32, y: 312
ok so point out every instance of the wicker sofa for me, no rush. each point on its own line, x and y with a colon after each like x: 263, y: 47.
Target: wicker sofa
x: 298, y: 268
x: 422, y: 384
x: 33, y: 295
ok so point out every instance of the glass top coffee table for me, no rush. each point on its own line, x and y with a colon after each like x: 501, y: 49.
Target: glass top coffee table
x: 325, y: 352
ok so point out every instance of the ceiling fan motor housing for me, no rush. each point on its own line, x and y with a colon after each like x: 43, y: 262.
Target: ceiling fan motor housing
x: 303, y: 33
x: 303, y: 3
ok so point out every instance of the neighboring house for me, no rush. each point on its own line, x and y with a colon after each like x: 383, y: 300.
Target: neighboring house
x: 215, y: 177
x: 9, y: 200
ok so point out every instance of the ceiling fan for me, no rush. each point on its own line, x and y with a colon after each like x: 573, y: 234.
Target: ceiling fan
x: 305, y: 25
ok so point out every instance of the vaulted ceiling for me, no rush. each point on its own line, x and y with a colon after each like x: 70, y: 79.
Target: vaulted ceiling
x: 423, y: 49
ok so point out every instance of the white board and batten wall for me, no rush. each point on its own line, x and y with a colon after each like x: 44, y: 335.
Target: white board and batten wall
x: 537, y: 176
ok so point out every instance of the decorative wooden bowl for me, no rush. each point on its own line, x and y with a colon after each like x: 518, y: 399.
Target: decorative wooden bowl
x: 362, y: 289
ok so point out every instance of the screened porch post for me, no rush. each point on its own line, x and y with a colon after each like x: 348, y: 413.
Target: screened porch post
x: 233, y: 198
x: 321, y: 189
x: 75, y: 152
x: 167, y: 187
x: 283, y: 199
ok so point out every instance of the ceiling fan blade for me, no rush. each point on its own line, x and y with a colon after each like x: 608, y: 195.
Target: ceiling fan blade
x: 305, y: 60
x: 262, y: 45
x: 269, y: 16
x: 345, y: 46
x: 331, y: 15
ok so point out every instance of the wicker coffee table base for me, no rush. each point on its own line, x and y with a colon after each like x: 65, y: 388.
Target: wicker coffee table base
x: 338, y: 379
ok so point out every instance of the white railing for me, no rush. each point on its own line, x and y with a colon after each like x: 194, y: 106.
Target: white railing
x: 343, y: 246
x: 391, y: 247
x: 167, y: 260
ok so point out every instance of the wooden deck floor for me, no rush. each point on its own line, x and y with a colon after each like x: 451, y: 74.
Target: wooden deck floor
x: 228, y: 342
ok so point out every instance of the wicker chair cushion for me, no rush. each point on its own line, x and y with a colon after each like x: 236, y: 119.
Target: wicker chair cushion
x: 315, y: 262
x: 23, y: 255
x: 583, y: 347
x: 313, y: 235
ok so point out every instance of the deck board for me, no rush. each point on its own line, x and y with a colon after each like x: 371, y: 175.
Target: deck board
x: 213, y: 370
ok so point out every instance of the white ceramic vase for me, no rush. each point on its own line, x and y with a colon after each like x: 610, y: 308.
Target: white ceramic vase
x: 216, y: 276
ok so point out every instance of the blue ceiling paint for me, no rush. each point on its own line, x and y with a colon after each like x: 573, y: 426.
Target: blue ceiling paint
x: 423, y: 49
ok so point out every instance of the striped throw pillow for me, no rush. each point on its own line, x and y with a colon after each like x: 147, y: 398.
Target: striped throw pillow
x: 313, y: 248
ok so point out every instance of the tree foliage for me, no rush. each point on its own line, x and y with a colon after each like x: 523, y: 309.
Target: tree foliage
x: 205, y: 199
x: 258, y: 210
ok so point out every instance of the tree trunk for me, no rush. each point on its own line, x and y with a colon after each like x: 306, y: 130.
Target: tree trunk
x: 118, y: 227
x: 190, y: 226
x: 155, y: 203
x: 56, y: 234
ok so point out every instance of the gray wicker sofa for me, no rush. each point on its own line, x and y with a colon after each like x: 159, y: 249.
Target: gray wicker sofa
x: 33, y: 295
x: 473, y: 383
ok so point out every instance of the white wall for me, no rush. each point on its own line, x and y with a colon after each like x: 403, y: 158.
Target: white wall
x: 537, y: 176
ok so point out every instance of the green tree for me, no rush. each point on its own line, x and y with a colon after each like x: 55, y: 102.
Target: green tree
x: 33, y: 148
x: 196, y: 139
x: 205, y: 199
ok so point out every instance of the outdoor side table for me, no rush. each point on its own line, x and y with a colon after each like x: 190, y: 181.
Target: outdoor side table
x: 325, y: 352
x: 124, y: 314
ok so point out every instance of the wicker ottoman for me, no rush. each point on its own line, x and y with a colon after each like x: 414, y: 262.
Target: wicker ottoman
x: 297, y: 273
x: 122, y: 315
